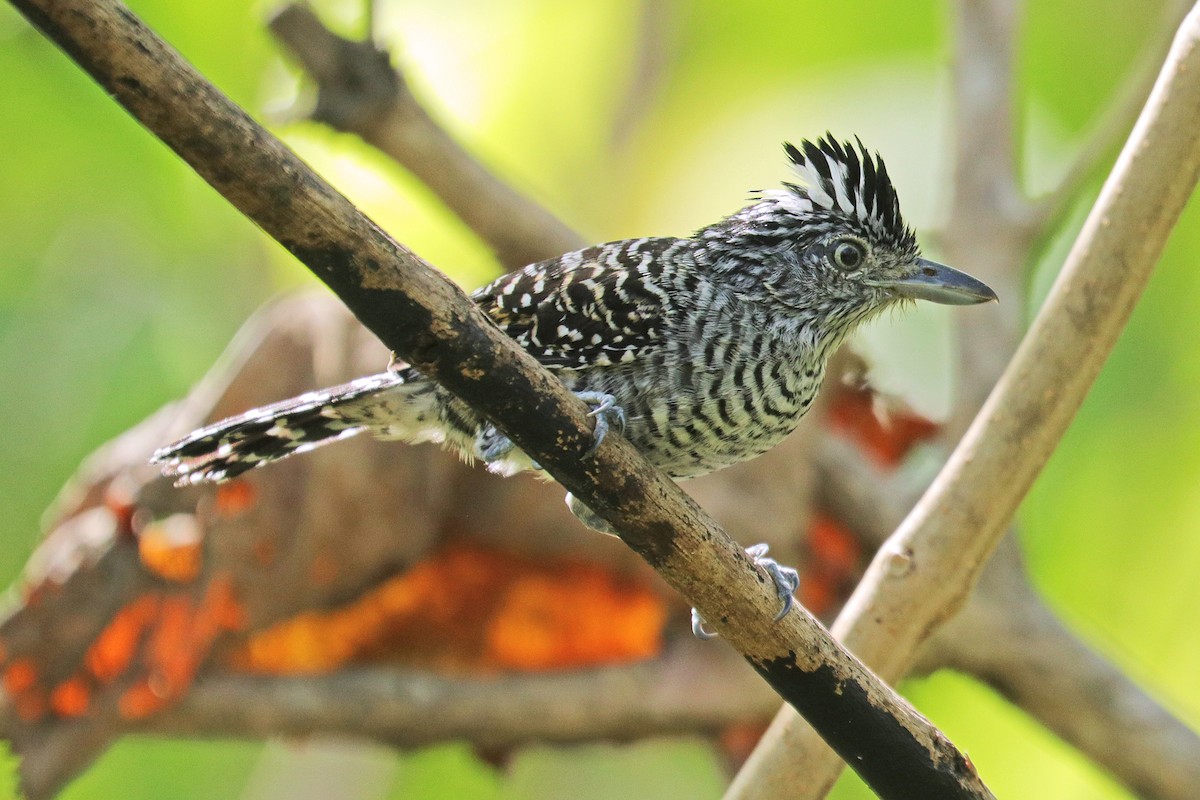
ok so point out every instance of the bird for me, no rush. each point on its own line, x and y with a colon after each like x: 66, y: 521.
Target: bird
x: 701, y: 351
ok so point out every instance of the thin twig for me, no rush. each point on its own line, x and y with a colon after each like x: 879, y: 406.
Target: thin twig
x: 360, y: 92
x: 924, y: 573
x: 655, y: 49
x: 424, y: 318
x: 370, y: 21
x: 1110, y: 129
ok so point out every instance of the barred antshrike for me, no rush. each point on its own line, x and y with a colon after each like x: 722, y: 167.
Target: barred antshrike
x: 703, y: 351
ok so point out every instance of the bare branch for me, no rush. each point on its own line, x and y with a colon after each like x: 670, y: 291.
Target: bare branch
x: 1111, y: 128
x: 923, y: 574
x: 986, y: 230
x: 429, y: 322
x: 682, y: 692
x: 359, y: 92
x: 657, y: 24
x: 984, y: 152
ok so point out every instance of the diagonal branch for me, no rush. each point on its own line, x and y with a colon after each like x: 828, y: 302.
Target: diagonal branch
x: 923, y: 574
x: 418, y: 313
x: 1008, y: 638
x: 360, y: 92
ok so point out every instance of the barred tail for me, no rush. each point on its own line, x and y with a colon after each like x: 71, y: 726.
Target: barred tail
x: 232, y: 446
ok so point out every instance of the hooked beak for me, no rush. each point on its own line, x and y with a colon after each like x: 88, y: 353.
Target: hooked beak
x: 941, y: 284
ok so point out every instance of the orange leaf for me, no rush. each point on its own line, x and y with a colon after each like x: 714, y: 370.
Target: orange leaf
x: 235, y: 497
x: 113, y: 650
x: 475, y: 607
x: 885, y: 434
x: 140, y: 701
x: 70, y: 698
x: 171, y: 548
x: 20, y: 676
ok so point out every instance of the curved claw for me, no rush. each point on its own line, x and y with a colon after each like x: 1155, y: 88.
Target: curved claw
x: 588, y: 517
x: 607, y: 413
x: 491, y: 445
x: 786, y: 581
x: 698, y: 629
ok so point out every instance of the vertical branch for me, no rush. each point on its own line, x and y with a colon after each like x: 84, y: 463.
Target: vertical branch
x: 986, y: 229
x: 656, y: 46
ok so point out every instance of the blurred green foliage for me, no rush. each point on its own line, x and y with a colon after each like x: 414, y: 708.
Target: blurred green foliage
x: 125, y: 276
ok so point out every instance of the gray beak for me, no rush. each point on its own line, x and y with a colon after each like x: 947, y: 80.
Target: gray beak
x: 941, y: 284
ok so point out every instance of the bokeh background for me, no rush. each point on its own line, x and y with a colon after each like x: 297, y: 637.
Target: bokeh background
x: 123, y: 277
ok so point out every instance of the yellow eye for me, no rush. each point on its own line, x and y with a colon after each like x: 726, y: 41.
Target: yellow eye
x: 848, y: 255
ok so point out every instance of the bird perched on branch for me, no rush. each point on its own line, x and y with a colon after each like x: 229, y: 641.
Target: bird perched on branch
x: 703, y: 351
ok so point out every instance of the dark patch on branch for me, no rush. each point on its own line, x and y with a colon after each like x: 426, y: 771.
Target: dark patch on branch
x: 839, y: 708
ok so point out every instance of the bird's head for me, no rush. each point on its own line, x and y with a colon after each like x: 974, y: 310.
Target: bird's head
x: 834, y: 244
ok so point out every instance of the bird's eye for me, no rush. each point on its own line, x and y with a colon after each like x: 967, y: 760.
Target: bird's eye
x: 848, y: 255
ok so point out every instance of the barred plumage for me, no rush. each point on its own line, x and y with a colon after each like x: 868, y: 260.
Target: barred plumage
x: 713, y: 347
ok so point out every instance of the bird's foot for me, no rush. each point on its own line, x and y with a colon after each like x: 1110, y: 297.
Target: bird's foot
x: 786, y: 580
x: 588, y: 517
x: 491, y: 445
x: 607, y: 413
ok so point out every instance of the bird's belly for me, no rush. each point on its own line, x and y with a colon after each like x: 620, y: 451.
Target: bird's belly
x: 681, y: 457
x: 693, y: 419
x: 690, y: 439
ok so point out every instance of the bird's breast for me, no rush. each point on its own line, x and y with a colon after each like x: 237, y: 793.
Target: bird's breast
x: 711, y: 401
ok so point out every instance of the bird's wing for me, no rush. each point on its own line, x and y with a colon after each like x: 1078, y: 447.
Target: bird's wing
x: 601, y: 306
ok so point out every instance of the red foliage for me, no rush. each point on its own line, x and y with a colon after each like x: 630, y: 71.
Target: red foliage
x: 472, y: 607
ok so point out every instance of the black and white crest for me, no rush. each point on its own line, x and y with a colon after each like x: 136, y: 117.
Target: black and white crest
x: 838, y: 178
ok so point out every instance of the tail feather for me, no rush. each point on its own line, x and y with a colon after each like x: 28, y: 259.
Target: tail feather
x: 232, y: 446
